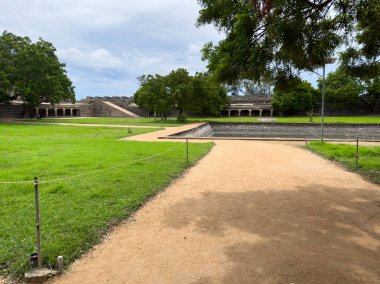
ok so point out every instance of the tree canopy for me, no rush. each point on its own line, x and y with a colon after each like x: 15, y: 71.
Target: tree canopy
x: 302, y: 97
x: 179, y: 91
x: 280, y: 38
x: 32, y: 72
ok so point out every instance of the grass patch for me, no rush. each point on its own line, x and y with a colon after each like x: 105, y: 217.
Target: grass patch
x: 170, y: 122
x: 106, y: 180
x: 368, y: 163
x: 173, y: 122
x: 332, y: 119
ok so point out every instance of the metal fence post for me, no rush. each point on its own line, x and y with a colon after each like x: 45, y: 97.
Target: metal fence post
x: 39, y: 255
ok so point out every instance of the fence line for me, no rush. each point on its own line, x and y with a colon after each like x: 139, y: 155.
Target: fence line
x: 344, y: 160
x: 370, y: 148
x: 328, y: 155
x: 95, y: 171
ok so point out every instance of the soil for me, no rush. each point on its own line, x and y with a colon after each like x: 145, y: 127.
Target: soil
x: 249, y: 212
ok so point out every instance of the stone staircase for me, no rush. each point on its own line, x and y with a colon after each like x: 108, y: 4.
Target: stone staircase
x: 112, y: 110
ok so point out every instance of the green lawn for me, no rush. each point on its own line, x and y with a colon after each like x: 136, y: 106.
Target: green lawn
x: 113, y: 120
x: 172, y: 121
x: 89, y: 181
x: 368, y: 162
x: 336, y: 119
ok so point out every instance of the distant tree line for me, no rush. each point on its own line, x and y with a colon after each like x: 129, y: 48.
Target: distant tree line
x: 198, y: 94
x: 32, y: 72
x: 343, y: 92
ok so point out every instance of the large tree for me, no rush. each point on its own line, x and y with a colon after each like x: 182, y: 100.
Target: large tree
x: 32, y: 72
x: 298, y: 97
x: 342, y: 91
x: 182, y: 92
x: 280, y: 38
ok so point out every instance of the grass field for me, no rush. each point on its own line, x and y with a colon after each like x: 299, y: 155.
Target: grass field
x: 368, y: 162
x: 89, y: 181
x: 172, y: 121
x: 336, y: 119
x: 113, y: 120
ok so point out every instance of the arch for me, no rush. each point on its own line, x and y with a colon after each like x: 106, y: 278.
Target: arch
x: 234, y: 112
x: 266, y: 112
x: 255, y: 112
x: 42, y: 112
x: 67, y: 112
x: 51, y: 112
x: 75, y: 112
x: 59, y: 112
x: 244, y: 112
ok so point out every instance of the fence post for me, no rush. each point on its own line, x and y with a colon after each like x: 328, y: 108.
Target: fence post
x: 38, y: 228
x: 187, y: 150
x: 357, y: 151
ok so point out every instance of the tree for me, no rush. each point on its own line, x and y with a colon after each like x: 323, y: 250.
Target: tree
x: 302, y: 97
x: 153, y: 95
x: 362, y: 59
x: 10, y: 46
x: 212, y: 96
x: 342, y: 91
x: 32, y: 72
x: 179, y: 91
x: 283, y: 37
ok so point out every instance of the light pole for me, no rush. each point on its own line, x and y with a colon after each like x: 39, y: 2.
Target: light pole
x: 327, y: 61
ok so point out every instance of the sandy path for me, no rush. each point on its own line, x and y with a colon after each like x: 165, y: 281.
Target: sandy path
x: 249, y: 212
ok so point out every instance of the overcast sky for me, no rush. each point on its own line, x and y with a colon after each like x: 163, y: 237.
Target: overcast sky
x: 106, y: 44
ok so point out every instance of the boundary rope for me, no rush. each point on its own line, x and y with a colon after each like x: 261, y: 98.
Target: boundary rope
x: 91, y: 172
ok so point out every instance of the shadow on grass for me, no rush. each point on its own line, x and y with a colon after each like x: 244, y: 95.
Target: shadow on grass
x: 313, y: 234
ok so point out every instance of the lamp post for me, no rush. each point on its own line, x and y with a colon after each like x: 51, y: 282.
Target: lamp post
x: 327, y: 61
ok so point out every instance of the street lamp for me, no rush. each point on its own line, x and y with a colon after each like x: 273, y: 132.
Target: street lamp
x: 327, y: 61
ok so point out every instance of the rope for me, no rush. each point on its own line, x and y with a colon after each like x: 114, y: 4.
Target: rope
x: 328, y: 155
x: 91, y: 172
x: 370, y: 148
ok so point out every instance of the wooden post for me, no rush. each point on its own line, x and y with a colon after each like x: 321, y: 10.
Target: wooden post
x: 187, y: 150
x: 38, y: 228
x: 357, y: 151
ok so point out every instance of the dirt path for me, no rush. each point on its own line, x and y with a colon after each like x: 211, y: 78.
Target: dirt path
x: 249, y: 212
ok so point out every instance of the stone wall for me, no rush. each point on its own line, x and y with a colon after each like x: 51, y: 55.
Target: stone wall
x: 203, y: 130
x: 310, y: 131
x: 369, y: 132
x: 86, y: 110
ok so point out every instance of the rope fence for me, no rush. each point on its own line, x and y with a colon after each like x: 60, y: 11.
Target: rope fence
x: 100, y: 170
x: 355, y: 158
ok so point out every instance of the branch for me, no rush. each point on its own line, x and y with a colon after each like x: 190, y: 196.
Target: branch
x: 320, y: 5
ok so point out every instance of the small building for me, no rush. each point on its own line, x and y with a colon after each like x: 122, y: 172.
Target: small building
x: 249, y: 106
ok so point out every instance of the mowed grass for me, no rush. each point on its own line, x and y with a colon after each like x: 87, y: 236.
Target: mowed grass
x: 89, y: 181
x: 368, y: 162
x: 332, y: 119
x: 172, y: 121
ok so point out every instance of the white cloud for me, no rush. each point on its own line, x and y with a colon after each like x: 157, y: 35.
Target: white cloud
x: 113, y: 41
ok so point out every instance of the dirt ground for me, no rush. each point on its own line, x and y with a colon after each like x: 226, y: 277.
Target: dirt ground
x: 249, y: 212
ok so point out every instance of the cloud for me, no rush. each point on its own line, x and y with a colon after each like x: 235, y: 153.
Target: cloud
x: 107, y: 44
x: 99, y: 58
